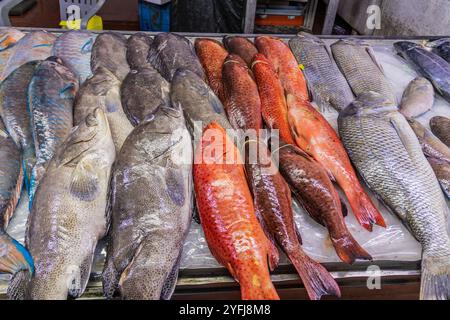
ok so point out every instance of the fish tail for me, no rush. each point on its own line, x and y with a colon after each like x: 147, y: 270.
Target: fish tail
x: 349, y: 250
x: 256, y: 287
x: 13, y: 256
x: 365, y: 211
x: 435, y: 283
x: 316, y: 279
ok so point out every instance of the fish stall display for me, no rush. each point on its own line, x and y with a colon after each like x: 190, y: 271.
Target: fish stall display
x: 126, y: 163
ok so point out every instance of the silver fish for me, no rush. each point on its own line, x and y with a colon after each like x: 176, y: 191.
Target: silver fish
x: 51, y: 95
x: 418, y: 98
x: 137, y: 50
x: 13, y: 256
x: 442, y: 171
x: 440, y: 126
x: 356, y: 60
x: 103, y: 90
x: 326, y: 83
x: 110, y: 52
x: 33, y: 46
x: 8, y: 39
x: 389, y: 157
x: 143, y: 91
x: 16, y: 116
x: 75, y: 48
x: 68, y: 216
x: 151, y: 209
x: 170, y: 52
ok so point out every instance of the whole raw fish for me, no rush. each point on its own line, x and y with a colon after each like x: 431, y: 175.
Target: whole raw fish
x: 442, y: 48
x: 110, y: 52
x: 13, y: 256
x: 8, y: 39
x: 314, y: 190
x: 428, y: 64
x: 151, y: 206
x: 51, y: 96
x: 225, y: 204
x: 440, y: 126
x: 74, y: 48
x: 388, y: 156
x: 291, y: 77
x: 68, y: 216
x: 170, y: 52
x: 418, y: 98
x: 103, y: 90
x: 143, y: 91
x: 272, y: 200
x: 242, y: 101
x: 16, y: 116
x: 314, y: 135
x: 37, y: 45
x: 242, y: 47
x: 356, y: 60
x: 199, y: 103
x: 138, y: 46
x: 212, y: 55
x: 442, y: 170
x: 327, y: 85
x: 273, y: 101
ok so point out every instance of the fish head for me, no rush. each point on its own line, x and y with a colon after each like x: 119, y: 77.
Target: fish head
x: 417, y: 127
x: 404, y: 46
x: 308, y: 37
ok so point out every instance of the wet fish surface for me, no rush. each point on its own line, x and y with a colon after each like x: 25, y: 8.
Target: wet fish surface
x: 357, y: 62
x: 212, y: 55
x: 313, y: 189
x: 442, y: 48
x: 37, y: 45
x: 16, y: 116
x: 418, y: 98
x: 440, y: 126
x: 242, y: 47
x: 143, y: 91
x: 68, y: 216
x: 103, y: 91
x: 327, y: 85
x: 442, y: 170
x: 149, y: 227
x: 74, y: 48
x: 51, y: 95
x: 427, y: 64
x: 170, y: 52
x: 138, y: 46
x: 8, y: 39
x: 272, y: 201
x: 110, y: 52
x: 389, y: 157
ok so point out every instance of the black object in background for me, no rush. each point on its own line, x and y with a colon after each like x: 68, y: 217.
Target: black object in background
x: 214, y: 16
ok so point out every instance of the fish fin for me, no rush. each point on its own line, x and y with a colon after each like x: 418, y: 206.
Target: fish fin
x: 365, y: 211
x: 272, y: 252
x: 372, y: 56
x: 435, y: 278
x: 323, y: 102
x: 87, y: 47
x: 316, y: 279
x: 299, y: 236
x: 113, y: 100
x: 28, y: 162
x: 344, y: 208
x: 310, y: 210
x: 171, y: 281
x: 349, y: 250
x: 110, y: 279
x: 13, y: 256
x: 85, y: 182
x: 79, y: 281
x: 175, y: 186
x: 69, y: 91
x: 18, y: 285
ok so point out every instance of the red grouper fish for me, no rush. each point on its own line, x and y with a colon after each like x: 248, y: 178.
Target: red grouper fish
x: 225, y: 205
x: 314, y: 190
x: 285, y: 64
x: 313, y: 134
x: 242, y: 102
x: 273, y: 203
x: 240, y: 46
x: 273, y: 101
x: 212, y: 55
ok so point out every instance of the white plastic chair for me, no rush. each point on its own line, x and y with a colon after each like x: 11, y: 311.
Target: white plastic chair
x: 86, y: 9
x: 5, y: 8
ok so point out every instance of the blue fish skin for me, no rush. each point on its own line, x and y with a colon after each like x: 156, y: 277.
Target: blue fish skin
x: 75, y: 48
x: 51, y: 96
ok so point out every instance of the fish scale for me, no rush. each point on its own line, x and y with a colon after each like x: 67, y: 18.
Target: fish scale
x: 328, y: 86
x: 389, y: 157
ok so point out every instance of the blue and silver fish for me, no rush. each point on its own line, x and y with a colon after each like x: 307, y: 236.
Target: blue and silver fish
x: 51, y: 96
x: 8, y: 39
x: 75, y: 48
